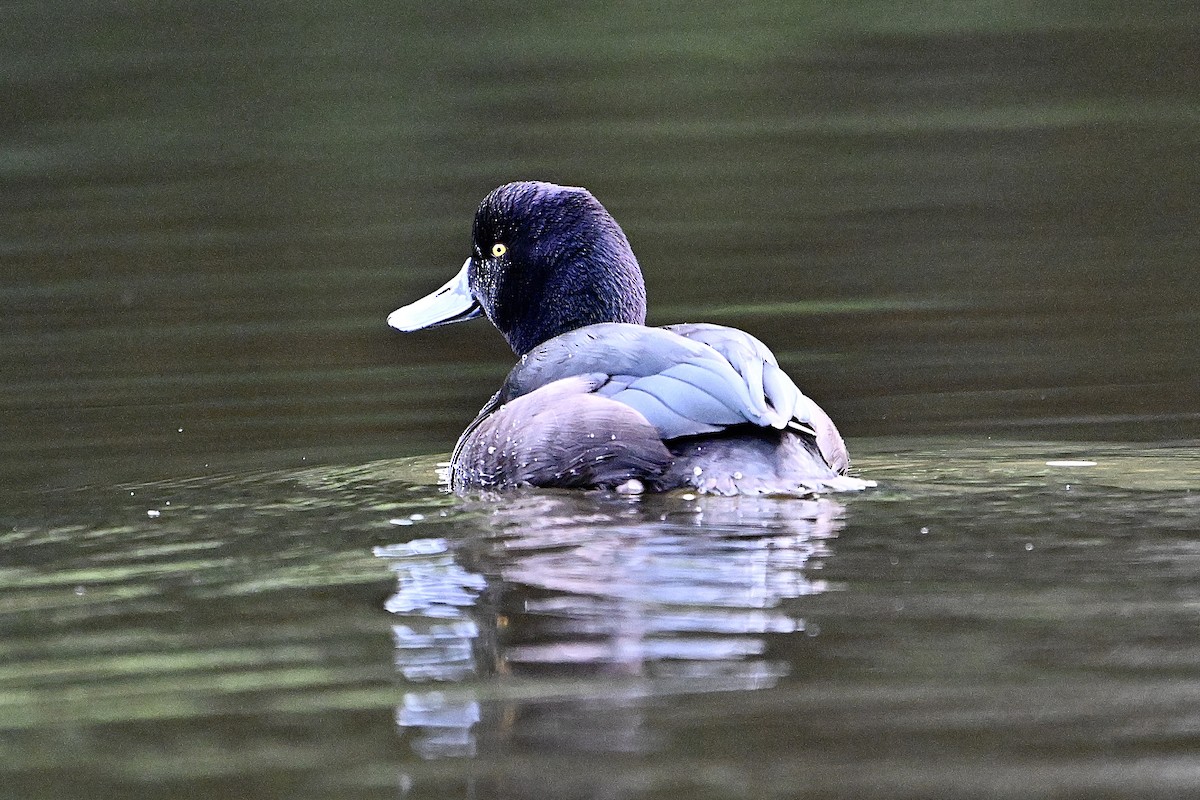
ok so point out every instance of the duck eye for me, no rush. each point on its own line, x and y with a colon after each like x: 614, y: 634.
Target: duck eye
x: 498, y: 249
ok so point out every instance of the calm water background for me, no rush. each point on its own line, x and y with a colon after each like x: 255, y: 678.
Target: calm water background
x: 968, y: 230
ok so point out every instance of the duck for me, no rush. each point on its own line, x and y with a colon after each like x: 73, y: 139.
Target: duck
x: 598, y: 399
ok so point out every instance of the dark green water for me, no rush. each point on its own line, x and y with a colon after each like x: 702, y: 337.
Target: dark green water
x: 226, y: 569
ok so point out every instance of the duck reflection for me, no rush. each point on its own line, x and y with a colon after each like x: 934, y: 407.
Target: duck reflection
x: 605, y: 599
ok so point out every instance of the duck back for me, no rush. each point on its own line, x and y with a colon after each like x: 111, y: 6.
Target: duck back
x: 700, y: 406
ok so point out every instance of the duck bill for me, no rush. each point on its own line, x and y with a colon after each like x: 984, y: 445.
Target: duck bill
x: 451, y: 303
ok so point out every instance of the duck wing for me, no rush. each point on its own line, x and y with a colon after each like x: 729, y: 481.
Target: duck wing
x: 683, y: 388
x: 770, y: 385
x: 685, y: 380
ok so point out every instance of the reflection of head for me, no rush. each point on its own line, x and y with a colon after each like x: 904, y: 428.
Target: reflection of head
x: 435, y: 635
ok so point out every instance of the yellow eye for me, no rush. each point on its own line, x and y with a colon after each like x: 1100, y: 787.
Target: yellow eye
x: 498, y: 249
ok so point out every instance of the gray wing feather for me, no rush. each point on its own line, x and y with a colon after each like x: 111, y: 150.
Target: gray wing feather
x: 725, y: 340
x: 669, y: 423
x: 785, y: 397
x: 682, y: 399
x: 674, y: 407
x: 684, y: 379
x: 711, y: 380
x: 615, y: 348
x: 755, y: 362
x: 771, y: 391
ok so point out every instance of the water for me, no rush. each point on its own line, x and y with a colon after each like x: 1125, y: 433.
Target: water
x: 983, y: 624
x: 226, y: 568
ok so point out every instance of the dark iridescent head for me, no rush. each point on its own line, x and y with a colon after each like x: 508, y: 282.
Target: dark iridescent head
x: 545, y: 259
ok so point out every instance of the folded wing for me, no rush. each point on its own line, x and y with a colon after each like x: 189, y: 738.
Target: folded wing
x: 686, y: 380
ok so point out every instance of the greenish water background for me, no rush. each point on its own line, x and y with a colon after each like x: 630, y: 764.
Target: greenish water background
x: 967, y: 229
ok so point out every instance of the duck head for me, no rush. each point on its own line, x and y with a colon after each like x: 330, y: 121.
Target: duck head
x: 545, y: 259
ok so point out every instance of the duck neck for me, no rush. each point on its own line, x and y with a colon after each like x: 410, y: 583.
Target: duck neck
x: 578, y: 294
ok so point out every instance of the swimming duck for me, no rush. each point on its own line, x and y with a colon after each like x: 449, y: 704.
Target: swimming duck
x: 597, y: 398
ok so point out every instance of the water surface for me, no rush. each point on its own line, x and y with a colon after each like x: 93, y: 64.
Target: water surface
x: 981, y: 624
